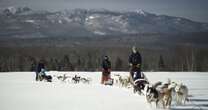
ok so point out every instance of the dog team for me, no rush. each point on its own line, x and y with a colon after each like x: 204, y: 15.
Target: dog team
x: 159, y: 93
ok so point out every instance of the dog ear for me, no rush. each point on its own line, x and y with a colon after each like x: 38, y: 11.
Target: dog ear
x: 169, y: 80
x: 180, y: 84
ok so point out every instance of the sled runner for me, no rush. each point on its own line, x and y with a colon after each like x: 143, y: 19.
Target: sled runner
x: 47, y: 78
x: 109, y: 82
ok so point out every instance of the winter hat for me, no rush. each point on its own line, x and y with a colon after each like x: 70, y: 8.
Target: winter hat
x: 134, y: 49
x: 106, y: 57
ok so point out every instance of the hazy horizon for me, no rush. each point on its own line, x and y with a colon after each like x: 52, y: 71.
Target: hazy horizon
x: 192, y: 9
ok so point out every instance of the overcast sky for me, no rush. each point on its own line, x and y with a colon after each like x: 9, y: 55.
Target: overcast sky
x: 196, y: 10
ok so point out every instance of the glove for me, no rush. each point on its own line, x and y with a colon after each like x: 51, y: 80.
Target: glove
x: 138, y: 65
x: 109, y: 70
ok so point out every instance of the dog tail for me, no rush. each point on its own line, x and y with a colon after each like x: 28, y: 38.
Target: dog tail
x: 157, y: 84
x: 187, y: 99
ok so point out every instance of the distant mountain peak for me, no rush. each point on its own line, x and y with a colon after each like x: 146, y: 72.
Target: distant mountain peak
x: 83, y: 22
x: 16, y: 10
x: 141, y: 12
x: 11, y: 10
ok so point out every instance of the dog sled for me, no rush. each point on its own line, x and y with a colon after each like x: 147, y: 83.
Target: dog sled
x: 109, y: 82
x: 43, y: 77
x: 47, y: 78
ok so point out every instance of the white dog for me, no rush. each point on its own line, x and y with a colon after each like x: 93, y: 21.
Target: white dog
x: 181, y: 94
x: 124, y: 81
x: 116, y: 79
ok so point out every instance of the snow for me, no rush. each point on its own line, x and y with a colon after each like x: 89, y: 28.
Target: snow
x: 141, y: 12
x: 60, y: 21
x: 99, y: 33
x: 91, y: 17
x: 19, y: 91
x: 30, y: 21
x: 12, y: 9
x: 68, y: 19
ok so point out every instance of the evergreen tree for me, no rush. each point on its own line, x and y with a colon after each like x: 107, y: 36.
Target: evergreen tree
x: 21, y: 63
x: 67, y: 65
x: 161, y: 64
x: 33, y: 65
x: 118, y: 64
x: 52, y: 64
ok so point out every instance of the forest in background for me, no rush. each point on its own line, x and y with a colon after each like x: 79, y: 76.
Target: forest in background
x: 85, y: 54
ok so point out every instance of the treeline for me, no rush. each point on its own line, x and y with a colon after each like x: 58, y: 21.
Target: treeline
x: 87, y: 58
x: 57, y: 58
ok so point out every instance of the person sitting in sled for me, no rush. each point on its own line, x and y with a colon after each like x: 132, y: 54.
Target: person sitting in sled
x: 106, y: 65
x: 40, y: 66
x: 40, y: 73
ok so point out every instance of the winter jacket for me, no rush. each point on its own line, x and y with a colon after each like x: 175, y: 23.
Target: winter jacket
x: 39, y: 67
x: 135, y: 58
x: 106, y: 64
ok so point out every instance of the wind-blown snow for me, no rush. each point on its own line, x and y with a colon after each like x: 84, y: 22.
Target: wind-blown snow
x: 19, y: 91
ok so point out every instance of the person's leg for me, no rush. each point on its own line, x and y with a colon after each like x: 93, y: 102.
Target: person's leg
x: 36, y: 77
x: 138, y: 75
x: 105, y: 78
x: 102, y: 79
x: 109, y: 75
x: 131, y: 75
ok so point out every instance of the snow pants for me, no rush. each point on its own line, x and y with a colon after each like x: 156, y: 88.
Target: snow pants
x: 105, y: 76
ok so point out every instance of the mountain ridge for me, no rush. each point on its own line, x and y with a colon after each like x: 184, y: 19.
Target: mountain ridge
x: 23, y: 22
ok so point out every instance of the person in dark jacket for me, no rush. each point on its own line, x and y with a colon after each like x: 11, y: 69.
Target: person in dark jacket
x: 106, y: 65
x: 40, y: 67
x: 135, y: 62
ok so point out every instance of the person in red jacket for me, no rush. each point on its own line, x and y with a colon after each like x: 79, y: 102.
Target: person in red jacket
x: 106, y: 65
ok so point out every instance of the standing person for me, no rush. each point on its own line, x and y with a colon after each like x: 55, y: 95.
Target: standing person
x: 106, y: 65
x: 40, y: 68
x: 135, y: 62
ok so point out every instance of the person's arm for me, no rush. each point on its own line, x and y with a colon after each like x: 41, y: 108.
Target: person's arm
x: 103, y: 64
x: 109, y: 65
x: 139, y: 60
x: 130, y: 60
x: 38, y: 68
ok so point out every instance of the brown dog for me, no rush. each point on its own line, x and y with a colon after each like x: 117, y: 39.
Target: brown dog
x: 165, y: 95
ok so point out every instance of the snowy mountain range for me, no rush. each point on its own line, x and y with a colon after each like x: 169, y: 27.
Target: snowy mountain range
x: 24, y: 22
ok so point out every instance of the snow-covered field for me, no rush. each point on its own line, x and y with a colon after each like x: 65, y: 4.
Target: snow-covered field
x: 20, y: 91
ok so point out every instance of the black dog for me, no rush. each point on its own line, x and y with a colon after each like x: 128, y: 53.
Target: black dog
x: 152, y: 94
x: 139, y: 85
x: 76, y: 79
